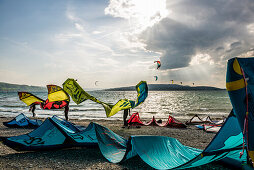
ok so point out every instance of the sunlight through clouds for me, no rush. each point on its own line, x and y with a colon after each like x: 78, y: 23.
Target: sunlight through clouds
x: 117, y: 41
x: 140, y: 14
x: 202, y: 59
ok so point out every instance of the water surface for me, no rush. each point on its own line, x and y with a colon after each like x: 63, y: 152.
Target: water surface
x: 180, y: 104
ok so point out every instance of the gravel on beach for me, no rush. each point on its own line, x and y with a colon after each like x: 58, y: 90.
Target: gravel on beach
x: 91, y: 158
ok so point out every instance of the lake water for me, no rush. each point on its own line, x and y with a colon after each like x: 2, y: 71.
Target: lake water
x: 180, y: 104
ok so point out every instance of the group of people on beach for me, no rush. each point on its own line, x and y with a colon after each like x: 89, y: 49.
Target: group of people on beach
x: 66, y: 111
x: 66, y: 108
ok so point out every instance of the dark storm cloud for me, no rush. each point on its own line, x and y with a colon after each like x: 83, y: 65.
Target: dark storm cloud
x: 218, y: 28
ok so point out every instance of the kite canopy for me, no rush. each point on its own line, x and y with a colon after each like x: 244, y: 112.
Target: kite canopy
x: 156, y: 78
x: 171, y: 122
x: 78, y: 95
x: 158, y: 64
x: 56, y: 93
x: 159, y: 152
x: 142, y: 91
x: 29, y: 98
x: 22, y: 121
x: 57, y: 98
x: 240, y: 86
x: 197, y: 120
x: 54, y: 133
x: 122, y: 104
x: 210, y: 126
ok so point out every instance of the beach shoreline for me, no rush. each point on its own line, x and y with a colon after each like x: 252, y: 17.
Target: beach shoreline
x: 91, y: 158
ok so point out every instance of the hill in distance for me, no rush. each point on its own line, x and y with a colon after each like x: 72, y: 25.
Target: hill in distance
x: 7, y: 87
x: 166, y: 87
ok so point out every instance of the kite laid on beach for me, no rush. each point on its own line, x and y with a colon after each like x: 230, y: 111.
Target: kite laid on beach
x: 79, y: 95
x: 159, y: 152
x: 195, y: 120
x: 135, y: 120
x: 21, y: 121
x: 158, y: 64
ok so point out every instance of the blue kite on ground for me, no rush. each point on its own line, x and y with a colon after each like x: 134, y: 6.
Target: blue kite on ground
x: 159, y: 152
x: 22, y: 121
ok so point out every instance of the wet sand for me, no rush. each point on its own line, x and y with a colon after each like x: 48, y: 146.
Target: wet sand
x: 91, y: 158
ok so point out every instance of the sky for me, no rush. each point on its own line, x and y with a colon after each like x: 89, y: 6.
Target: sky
x: 116, y: 42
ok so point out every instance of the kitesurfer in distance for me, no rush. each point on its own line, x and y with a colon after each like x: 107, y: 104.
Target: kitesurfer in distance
x: 126, y: 112
x: 32, y: 109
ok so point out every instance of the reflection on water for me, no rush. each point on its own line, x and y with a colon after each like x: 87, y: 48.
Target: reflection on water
x: 181, y: 104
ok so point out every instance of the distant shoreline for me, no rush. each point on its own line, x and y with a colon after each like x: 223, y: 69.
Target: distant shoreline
x: 167, y: 87
x: 10, y: 88
x: 167, y: 90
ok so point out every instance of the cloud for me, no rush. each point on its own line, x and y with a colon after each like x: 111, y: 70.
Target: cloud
x: 220, y: 29
x: 140, y: 14
x: 195, y: 38
x: 96, y: 32
x: 79, y: 27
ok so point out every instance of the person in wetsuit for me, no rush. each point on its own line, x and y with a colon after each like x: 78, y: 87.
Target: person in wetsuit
x: 126, y: 112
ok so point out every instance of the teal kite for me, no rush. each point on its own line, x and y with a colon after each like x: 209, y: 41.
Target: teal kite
x: 156, y: 78
x: 240, y: 87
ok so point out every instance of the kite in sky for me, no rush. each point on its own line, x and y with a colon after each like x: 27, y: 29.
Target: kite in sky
x: 158, y: 64
x: 156, y: 78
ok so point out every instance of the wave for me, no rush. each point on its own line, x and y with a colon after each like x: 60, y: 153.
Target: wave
x: 85, y: 110
x: 14, y: 106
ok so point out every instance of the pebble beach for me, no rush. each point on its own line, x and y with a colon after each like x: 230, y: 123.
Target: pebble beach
x: 91, y: 158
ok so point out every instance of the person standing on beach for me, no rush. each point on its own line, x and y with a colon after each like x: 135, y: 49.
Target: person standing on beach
x: 66, y: 110
x: 32, y: 108
x: 51, y: 105
x: 57, y: 105
x: 126, y: 112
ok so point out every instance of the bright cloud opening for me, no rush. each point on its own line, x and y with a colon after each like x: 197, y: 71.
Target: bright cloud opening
x: 201, y: 59
x: 140, y: 14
